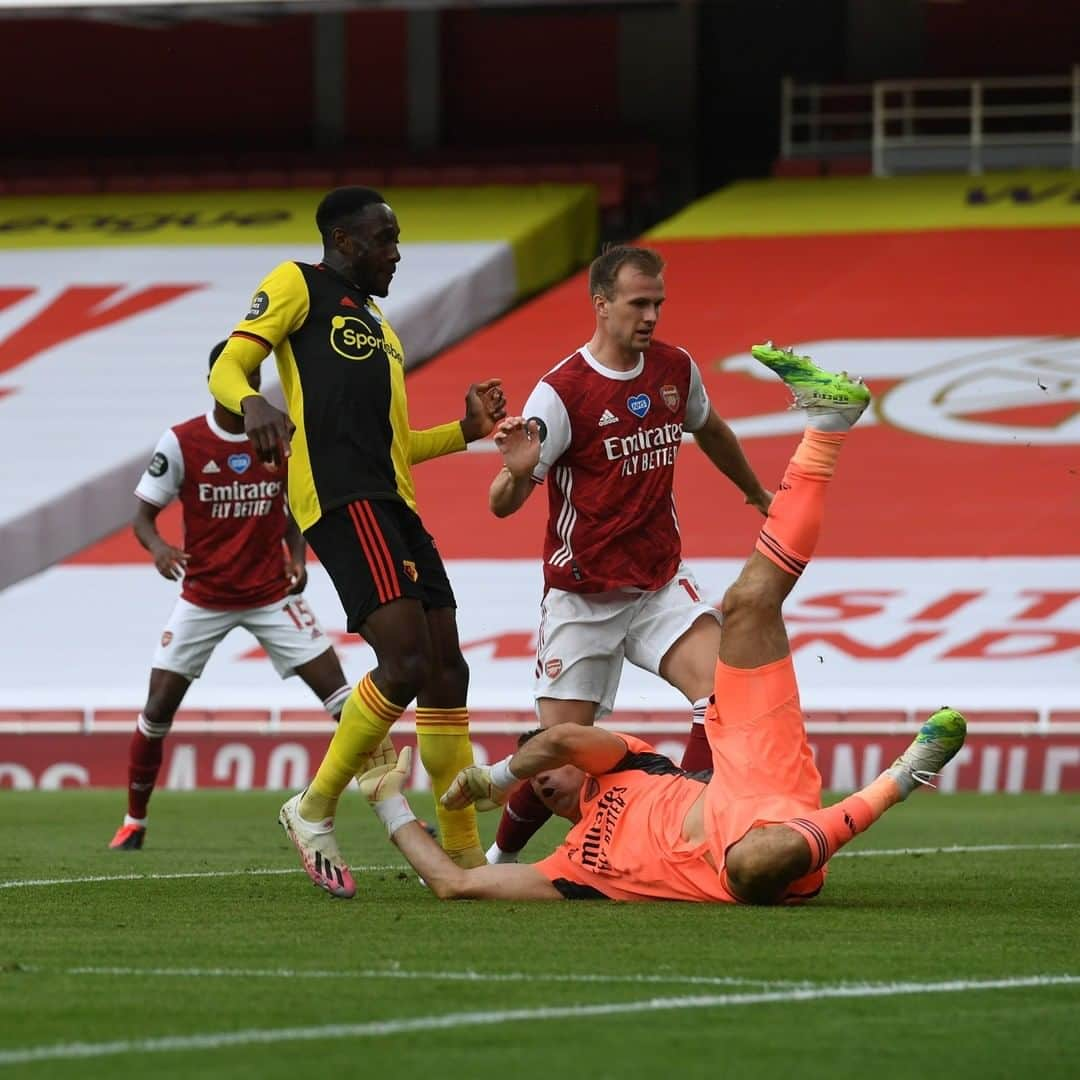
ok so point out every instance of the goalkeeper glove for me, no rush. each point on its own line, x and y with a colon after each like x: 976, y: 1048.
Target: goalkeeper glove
x: 383, y: 754
x: 382, y: 787
x: 485, y: 786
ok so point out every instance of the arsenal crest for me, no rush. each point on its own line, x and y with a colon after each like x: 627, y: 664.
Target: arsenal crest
x: 670, y: 394
x: 553, y: 667
x: 166, y: 638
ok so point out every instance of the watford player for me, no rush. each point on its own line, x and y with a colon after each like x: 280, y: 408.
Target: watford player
x: 350, y: 450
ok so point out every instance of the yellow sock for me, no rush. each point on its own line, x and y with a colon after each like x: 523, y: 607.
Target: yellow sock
x: 365, y: 719
x: 443, y: 738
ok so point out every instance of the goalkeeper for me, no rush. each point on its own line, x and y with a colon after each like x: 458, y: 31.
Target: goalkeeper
x: 753, y: 829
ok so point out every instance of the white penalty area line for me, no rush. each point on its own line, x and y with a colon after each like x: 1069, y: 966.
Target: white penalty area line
x: 425, y: 976
x: 256, y: 872
x: 403, y: 1025
x: 955, y: 849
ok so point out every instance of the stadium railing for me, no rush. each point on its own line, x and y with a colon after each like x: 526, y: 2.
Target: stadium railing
x: 920, y: 125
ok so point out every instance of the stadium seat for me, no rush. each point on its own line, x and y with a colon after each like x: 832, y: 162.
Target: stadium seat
x: 170, y: 181
x: 796, y: 167
x: 313, y: 178
x: 53, y: 185
x: 363, y: 176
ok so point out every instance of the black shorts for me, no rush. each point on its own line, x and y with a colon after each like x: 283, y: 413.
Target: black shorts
x: 376, y: 551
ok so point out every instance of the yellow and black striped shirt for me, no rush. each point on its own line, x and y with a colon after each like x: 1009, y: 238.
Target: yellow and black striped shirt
x: 342, y: 370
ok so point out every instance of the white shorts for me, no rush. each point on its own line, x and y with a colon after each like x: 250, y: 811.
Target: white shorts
x: 584, y: 637
x: 287, y: 629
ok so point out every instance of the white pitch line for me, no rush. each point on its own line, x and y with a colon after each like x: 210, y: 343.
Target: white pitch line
x: 263, y: 872
x: 957, y: 849
x: 377, y: 1028
x: 258, y: 872
x: 425, y: 976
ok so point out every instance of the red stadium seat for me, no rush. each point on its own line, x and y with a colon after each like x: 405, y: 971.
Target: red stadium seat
x: 796, y: 167
x: 170, y: 181
x: 53, y: 185
x: 266, y: 178
x: 125, y: 182
x: 313, y: 178
x: 219, y: 180
x: 362, y: 176
x: 412, y: 176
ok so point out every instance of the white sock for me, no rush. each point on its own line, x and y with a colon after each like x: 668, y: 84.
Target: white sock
x: 496, y: 855
x: 140, y: 821
x: 831, y: 419
x: 336, y: 701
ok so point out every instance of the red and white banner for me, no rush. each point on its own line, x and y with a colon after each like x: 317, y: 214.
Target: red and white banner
x: 989, y: 763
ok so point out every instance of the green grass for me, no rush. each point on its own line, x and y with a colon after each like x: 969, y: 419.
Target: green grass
x: 180, y: 947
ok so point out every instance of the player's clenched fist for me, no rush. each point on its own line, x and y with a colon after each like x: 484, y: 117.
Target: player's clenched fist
x: 484, y: 786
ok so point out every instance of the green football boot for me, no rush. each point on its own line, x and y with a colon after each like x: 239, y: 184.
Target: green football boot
x: 816, y: 390
x: 938, y: 742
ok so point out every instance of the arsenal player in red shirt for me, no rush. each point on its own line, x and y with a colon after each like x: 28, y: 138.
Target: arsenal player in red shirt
x: 241, y: 564
x: 603, y: 430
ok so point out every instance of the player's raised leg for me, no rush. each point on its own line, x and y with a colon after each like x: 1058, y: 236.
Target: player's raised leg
x: 760, y: 756
x: 771, y: 860
x: 753, y: 628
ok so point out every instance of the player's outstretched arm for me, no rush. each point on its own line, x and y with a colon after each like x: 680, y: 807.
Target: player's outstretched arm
x: 383, y: 787
x: 722, y: 448
x: 170, y: 561
x: 518, y: 441
x: 593, y: 750
x: 448, y: 881
x: 485, y: 406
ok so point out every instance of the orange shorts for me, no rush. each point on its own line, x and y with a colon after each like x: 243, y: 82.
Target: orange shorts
x: 763, y: 770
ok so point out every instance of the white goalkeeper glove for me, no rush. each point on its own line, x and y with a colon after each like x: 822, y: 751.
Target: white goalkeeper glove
x: 382, y: 787
x: 484, y: 786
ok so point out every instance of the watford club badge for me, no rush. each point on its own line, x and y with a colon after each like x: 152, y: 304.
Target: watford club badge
x: 410, y: 569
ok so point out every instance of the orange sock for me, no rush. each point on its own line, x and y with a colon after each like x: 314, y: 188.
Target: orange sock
x: 816, y: 454
x: 790, y: 535
x: 829, y: 829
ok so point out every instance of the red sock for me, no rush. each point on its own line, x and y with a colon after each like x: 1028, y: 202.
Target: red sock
x: 523, y: 817
x: 790, y: 534
x: 697, y: 757
x: 829, y: 829
x: 144, y: 761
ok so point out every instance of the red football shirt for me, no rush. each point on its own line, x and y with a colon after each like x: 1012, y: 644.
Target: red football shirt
x: 610, y: 440
x: 233, y: 511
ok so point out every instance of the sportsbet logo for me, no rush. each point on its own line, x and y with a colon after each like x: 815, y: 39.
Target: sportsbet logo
x: 352, y: 338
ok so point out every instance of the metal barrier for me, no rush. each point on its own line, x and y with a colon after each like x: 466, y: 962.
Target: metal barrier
x: 918, y: 125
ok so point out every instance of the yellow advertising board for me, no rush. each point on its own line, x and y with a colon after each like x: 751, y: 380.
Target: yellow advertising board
x: 855, y: 204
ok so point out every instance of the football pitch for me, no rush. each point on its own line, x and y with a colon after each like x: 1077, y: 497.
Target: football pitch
x: 947, y: 942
